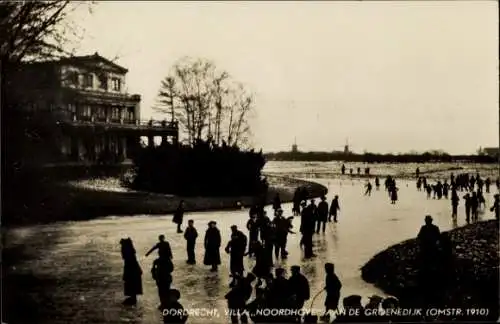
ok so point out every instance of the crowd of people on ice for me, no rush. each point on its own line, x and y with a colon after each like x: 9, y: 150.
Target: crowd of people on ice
x: 267, y: 242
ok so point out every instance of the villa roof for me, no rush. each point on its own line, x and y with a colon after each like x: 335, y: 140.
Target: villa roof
x: 94, y: 58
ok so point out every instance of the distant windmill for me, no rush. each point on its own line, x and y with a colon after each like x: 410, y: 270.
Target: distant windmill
x: 346, y: 147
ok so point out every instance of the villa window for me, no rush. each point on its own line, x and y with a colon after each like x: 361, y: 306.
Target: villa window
x: 130, y: 114
x: 101, y: 112
x: 72, y: 108
x: 103, y: 82
x: 88, y: 81
x: 73, y: 78
x: 115, y: 114
x: 86, y: 111
x: 116, y: 84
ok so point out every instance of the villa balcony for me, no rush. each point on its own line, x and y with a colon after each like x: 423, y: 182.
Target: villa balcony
x: 114, y: 124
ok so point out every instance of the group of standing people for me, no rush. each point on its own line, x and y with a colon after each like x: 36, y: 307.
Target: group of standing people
x: 474, y: 199
x: 351, y: 170
x: 279, y: 293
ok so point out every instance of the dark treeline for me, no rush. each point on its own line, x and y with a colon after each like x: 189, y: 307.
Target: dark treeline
x: 200, y: 170
x: 379, y: 158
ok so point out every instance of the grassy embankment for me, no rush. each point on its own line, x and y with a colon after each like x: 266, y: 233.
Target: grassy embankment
x: 46, y: 201
x: 473, y: 283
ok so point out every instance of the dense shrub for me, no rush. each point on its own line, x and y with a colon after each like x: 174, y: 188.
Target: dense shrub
x: 201, y: 170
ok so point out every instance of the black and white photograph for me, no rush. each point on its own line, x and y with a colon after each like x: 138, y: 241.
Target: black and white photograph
x: 249, y: 161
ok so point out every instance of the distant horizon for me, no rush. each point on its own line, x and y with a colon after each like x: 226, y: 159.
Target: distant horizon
x: 388, y: 76
x: 373, y: 152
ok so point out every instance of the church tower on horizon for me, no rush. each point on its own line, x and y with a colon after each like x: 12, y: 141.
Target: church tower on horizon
x: 346, y: 147
x: 294, y: 146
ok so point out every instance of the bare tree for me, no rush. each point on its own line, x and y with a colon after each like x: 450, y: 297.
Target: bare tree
x: 238, y: 128
x: 206, y: 102
x: 33, y: 30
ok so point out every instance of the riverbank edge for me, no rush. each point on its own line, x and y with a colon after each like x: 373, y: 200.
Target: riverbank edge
x: 435, y: 174
x: 476, y: 259
x: 68, y: 203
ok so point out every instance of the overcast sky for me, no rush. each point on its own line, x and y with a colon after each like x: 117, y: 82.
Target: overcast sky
x: 389, y: 76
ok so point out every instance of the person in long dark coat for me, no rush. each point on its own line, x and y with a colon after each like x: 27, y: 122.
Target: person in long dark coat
x: 468, y: 206
x: 428, y: 238
x: 496, y: 207
x: 212, y: 245
x: 446, y: 188
x: 454, y: 203
x: 368, y: 191
x: 277, y: 202
x: 296, y: 202
x: 474, y: 206
x: 263, y: 261
x: 280, y: 295
x: 161, y: 271
x: 263, y: 222
x: 307, y: 222
x: 299, y: 287
x: 253, y: 233
x: 236, y: 248
x: 240, y: 293
x: 334, y: 208
x: 281, y: 228
x: 487, y: 183
x: 190, y: 235
x: 178, y: 216
x: 332, y: 287
x: 394, y: 194
x: 322, y: 215
x: 132, y: 272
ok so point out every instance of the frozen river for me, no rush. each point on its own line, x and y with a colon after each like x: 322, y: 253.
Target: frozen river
x: 78, y: 266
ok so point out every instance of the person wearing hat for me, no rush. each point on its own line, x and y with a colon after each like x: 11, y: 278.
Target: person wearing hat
x: 282, y: 228
x: 237, y: 297
x: 372, y: 307
x: 280, y: 294
x: 374, y: 302
x: 428, y: 238
x: 132, y: 272
x: 173, y: 311
x: 496, y: 207
x: 334, y: 208
x: 162, y: 246
x: 236, y: 247
x: 322, y: 215
x: 468, y: 207
x: 212, y: 243
x: 296, y: 202
x: 332, y: 287
x: 178, y: 216
x: 474, y: 206
x: 253, y: 233
x: 354, y: 309
x: 454, y: 203
x: 277, y: 202
x: 487, y: 184
x: 190, y: 235
x: 299, y: 287
x: 307, y: 223
x: 161, y: 271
